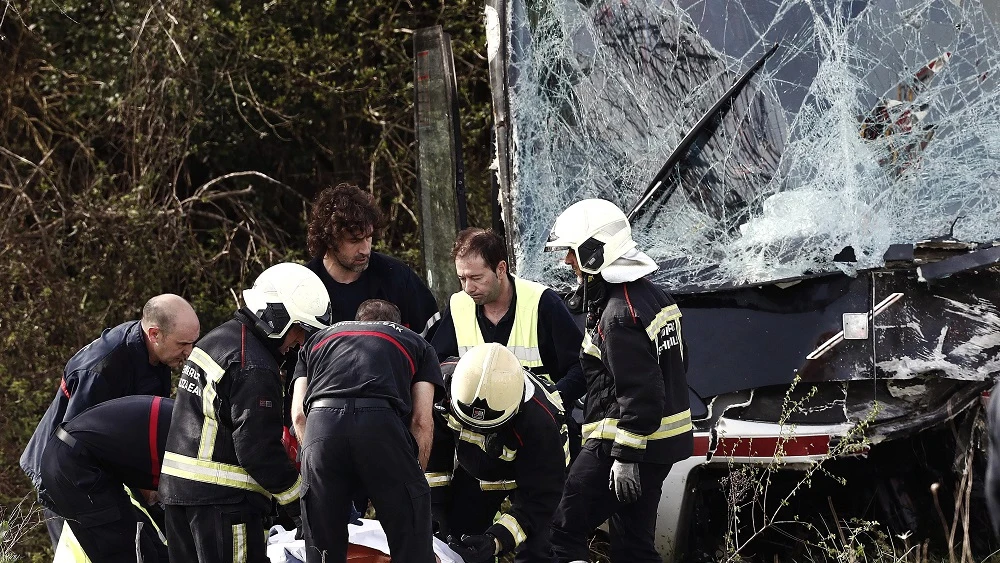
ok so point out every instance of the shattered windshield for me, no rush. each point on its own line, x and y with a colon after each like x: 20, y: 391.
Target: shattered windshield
x: 872, y: 123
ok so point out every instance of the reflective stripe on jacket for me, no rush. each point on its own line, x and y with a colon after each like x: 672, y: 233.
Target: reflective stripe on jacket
x: 637, y: 393
x: 225, y: 444
x: 526, y: 456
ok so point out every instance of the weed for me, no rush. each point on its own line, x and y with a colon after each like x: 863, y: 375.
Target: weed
x: 15, y: 523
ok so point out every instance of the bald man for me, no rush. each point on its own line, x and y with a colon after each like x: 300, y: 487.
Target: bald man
x: 133, y: 358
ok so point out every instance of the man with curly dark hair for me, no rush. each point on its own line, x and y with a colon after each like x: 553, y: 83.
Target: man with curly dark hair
x: 343, y: 222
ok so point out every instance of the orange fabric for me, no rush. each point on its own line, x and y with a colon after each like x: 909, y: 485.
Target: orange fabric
x: 362, y: 554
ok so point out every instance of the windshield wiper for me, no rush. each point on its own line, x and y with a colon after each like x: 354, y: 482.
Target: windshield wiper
x: 702, y: 131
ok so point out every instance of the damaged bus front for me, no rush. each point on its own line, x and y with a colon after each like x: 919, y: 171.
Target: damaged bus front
x: 816, y: 179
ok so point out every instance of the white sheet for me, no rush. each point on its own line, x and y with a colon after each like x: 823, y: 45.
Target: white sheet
x: 282, y: 547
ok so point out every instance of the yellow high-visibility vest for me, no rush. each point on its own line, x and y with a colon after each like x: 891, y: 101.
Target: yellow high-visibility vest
x: 523, y: 340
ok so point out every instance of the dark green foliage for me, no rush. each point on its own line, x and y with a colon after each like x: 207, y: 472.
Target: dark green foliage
x: 148, y: 147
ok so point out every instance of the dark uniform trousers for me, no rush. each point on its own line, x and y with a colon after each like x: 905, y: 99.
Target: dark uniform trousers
x: 96, y: 506
x: 221, y: 533
x: 473, y: 510
x: 587, y: 502
x: 363, y: 443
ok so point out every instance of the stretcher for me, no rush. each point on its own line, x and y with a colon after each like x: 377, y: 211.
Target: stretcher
x: 368, y: 544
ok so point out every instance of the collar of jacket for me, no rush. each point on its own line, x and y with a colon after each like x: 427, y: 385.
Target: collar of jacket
x: 249, y: 320
x: 595, y: 295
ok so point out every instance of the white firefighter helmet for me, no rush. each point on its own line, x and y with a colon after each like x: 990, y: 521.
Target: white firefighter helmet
x: 287, y: 294
x: 598, y: 232
x: 487, y: 387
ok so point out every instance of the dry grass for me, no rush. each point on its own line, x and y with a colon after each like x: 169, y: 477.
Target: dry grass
x: 16, y: 522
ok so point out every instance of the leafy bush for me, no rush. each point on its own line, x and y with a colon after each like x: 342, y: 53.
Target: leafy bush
x: 173, y: 146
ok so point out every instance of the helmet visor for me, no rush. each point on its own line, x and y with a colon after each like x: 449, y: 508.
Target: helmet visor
x: 326, y: 319
x: 308, y: 328
x: 557, y: 243
x: 322, y: 321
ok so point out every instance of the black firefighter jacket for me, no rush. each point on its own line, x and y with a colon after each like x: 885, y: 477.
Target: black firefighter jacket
x: 527, y: 456
x: 637, y: 393
x: 115, y: 365
x: 224, y: 445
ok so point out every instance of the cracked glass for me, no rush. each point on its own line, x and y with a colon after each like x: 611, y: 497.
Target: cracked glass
x: 872, y: 123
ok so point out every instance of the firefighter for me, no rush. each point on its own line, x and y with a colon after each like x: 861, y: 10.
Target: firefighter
x: 133, y: 358
x: 89, y: 462
x: 637, y: 419
x: 225, y: 460
x: 506, y: 427
x: 494, y: 306
x: 366, y: 391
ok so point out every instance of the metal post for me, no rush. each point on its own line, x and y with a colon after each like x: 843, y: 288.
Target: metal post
x: 439, y: 166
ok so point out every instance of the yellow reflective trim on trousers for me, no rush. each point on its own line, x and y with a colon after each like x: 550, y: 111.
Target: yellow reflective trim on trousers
x: 497, y: 485
x: 239, y: 543
x: 211, y: 472
x: 478, y: 439
x: 665, y: 315
x: 670, y: 426
x: 438, y: 479
x: 142, y: 508
x: 291, y: 494
x: 589, y: 347
x: 209, y: 426
x: 69, y: 550
x: 512, y: 525
x: 523, y: 339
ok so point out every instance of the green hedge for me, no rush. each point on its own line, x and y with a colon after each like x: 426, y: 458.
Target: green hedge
x: 174, y: 146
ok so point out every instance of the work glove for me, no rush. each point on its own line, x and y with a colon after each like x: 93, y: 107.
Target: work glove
x: 493, y: 445
x: 297, y: 520
x: 475, y: 549
x: 439, y: 521
x: 624, y: 481
x: 353, y: 516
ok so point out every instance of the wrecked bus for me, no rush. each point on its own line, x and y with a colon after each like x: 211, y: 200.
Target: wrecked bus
x: 818, y: 182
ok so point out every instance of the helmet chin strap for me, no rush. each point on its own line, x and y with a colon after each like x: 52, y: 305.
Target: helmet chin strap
x: 594, y: 298
x: 262, y: 330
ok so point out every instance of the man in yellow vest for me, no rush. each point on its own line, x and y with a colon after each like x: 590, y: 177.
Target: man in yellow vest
x: 530, y: 319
